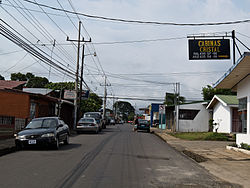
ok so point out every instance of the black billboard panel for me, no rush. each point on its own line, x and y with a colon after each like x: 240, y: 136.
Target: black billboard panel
x: 209, y: 49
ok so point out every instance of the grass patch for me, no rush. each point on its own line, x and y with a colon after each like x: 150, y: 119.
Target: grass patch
x: 202, y: 136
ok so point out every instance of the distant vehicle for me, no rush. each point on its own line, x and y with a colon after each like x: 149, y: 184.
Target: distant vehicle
x: 87, y: 124
x: 142, y: 125
x: 112, y: 122
x: 46, y: 131
x: 130, y: 121
x: 98, y: 118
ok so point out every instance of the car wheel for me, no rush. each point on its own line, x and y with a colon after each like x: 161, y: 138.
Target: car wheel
x: 66, y: 141
x: 56, y: 146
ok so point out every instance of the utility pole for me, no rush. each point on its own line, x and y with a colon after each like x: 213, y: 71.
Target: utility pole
x: 105, y: 96
x: 81, y: 78
x: 176, y: 103
x: 233, y: 37
x: 77, y: 72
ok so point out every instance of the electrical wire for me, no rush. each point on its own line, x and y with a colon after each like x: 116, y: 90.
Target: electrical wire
x: 15, y: 39
x: 143, y: 22
x: 138, y: 41
x: 16, y: 63
x: 7, y: 53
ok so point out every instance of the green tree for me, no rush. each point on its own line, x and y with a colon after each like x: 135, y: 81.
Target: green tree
x: 92, y: 104
x: 171, y: 97
x: 18, y: 77
x: 209, y: 92
x: 125, y: 109
x: 1, y: 77
x: 37, y: 82
x: 29, y: 75
x: 61, y: 85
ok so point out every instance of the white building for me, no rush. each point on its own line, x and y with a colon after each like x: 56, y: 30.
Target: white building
x: 238, y: 79
x: 193, y: 117
x: 225, y: 113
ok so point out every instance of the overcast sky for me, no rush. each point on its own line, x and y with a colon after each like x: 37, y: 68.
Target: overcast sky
x: 139, y: 69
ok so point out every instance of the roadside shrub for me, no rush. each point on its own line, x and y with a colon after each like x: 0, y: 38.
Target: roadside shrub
x: 245, y: 146
x: 233, y: 145
x: 217, y: 136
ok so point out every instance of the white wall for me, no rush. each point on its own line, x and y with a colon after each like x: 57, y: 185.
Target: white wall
x: 222, y: 117
x: 199, y: 123
x: 243, y: 90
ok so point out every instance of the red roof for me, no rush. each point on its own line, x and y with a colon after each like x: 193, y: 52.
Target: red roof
x: 9, y: 84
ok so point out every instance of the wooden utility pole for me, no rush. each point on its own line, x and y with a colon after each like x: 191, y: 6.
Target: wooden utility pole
x: 77, y: 72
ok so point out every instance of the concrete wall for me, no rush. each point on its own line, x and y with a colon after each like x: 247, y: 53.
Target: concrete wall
x: 243, y: 90
x: 199, y: 123
x: 222, y: 117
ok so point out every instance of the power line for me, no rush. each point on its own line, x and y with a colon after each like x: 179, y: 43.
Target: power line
x: 32, y: 10
x: 17, y: 62
x: 27, y: 31
x: 140, y: 21
x: 138, y: 41
x: 7, y: 53
x: 21, y: 43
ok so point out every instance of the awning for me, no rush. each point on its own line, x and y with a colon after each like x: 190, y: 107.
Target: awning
x: 235, y: 74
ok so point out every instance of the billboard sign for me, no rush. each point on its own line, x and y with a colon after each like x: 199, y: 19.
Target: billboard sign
x: 209, y: 49
x: 69, y: 94
x: 85, y: 94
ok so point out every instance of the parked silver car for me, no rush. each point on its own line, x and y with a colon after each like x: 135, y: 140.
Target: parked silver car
x: 87, y: 124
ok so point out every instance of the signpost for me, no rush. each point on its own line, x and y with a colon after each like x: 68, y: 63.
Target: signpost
x: 209, y: 49
x: 85, y: 94
x: 161, y: 111
x: 70, y: 94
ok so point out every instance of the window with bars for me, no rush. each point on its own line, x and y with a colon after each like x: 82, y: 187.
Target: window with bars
x: 187, y: 114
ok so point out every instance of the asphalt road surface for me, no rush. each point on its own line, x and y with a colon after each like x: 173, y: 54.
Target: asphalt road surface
x: 116, y: 157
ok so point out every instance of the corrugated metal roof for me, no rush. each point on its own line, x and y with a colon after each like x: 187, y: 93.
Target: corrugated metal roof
x: 43, y: 91
x: 10, y: 84
x: 229, y: 99
x: 226, y: 100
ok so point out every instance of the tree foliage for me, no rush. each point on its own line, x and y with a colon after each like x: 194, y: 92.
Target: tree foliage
x: 1, y: 77
x: 19, y: 76
x: 209, y: 92
x: 92, y: 104
x: 171, y: 97
x: 61, y: 85
x: 125, y: 109
x: 33, y: 81
x: 37, y: 82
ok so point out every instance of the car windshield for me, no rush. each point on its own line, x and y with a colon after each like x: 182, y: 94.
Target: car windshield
x: 93, y: 115
x: 41, y: 123
x: 86, y: 120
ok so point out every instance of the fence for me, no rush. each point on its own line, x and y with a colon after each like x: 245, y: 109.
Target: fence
x: 7, y: 126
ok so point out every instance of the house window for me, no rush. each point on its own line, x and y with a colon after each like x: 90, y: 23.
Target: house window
x: 243, y: 113
x: 32, y: 110
x: 188, y: 114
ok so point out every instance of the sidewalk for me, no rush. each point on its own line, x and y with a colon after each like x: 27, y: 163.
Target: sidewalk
x: 226, y: 164
x: 7, y: 146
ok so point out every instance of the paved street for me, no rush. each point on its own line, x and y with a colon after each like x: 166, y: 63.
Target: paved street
x: 117, y: 157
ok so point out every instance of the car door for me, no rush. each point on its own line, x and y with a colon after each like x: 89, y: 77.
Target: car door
x: 63, y: 129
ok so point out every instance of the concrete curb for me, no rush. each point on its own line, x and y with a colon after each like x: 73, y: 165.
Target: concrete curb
x: 6, y: 151
x: 238, y: 149
x: 196, y: 157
